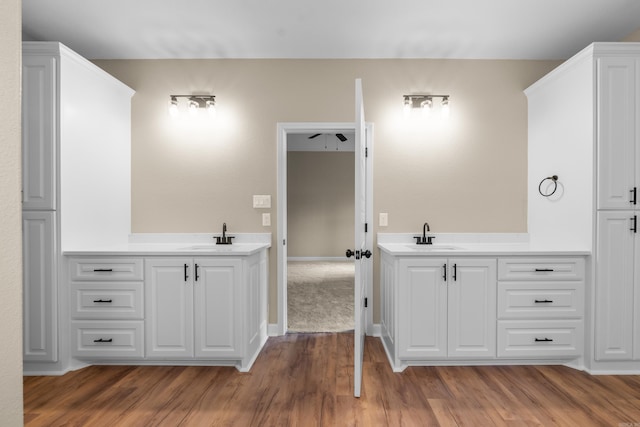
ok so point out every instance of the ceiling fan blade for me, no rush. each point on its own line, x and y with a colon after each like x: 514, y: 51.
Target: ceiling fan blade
x: 315, y: 135
x: 341, y: 137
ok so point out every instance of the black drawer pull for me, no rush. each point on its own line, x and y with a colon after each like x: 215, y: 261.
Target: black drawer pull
x: 103, y: 300
x: 543, y: 270
x: 103, y: 340
x: 102, y: 270
x: 544, y: 340
x: 543, y: 301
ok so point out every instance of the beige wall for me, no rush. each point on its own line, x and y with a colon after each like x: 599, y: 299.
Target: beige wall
x: 320, y: 201
x: 10, y: 211
x: 633, y: 37
x: 468, y: 175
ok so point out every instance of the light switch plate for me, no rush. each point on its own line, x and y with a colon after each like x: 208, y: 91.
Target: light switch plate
x: 262, y: 201
x: 266, y: 219
x: 384, y: 219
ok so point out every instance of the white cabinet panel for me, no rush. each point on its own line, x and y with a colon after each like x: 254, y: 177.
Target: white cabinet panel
x: 40, y: 301
x: 540, y: 338
x: 168, y: 308
x: 217, y: 292
x: 107, y: 340
x: 617, y: 138
x: 39, y: 132
x: 543, y: 269
x: 102, y: 269
x: 422, y: 310
x: 614, y: 292
x: 535, y: 300
x: 472, y: 308
x: 108, y: 300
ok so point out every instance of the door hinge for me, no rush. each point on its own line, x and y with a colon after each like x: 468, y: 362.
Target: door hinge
x: 366, y: 302
x: 366, y: 227
x: 284, y: 242
x: 366, y: 151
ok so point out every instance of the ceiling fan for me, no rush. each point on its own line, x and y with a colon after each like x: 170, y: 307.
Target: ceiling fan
x: 340, y: 136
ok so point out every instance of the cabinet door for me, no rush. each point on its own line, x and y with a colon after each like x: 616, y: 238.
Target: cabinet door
x: 40, y: 287
x: 218, y: 292
x: 614, y: 286
x: 168, y: 308
x: 472, y: 308
x: 422, y: 309
x: 617, y: 121
x: 39, y: 118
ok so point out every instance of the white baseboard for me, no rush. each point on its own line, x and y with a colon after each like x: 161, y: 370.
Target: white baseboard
x: 272, y: 330
x: 318, y: 258
x: 376, y: 330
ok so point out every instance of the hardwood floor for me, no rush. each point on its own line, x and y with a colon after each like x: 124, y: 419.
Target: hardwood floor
x: 307, y: 380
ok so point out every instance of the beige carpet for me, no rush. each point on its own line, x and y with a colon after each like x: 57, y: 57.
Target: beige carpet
x: 320, y: 296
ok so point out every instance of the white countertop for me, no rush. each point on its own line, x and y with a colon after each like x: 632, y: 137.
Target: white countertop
x: 449, y: 245
x: 177, y: 245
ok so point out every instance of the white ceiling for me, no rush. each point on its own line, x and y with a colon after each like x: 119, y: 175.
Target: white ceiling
x: 492, y: 29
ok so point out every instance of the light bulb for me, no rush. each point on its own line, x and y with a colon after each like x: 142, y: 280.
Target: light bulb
x: 211, y: 107
x: 193, y: 106
x: 173, y: 106
x: 426, y: 106
x: 446, y: 110
x: 408, y: 104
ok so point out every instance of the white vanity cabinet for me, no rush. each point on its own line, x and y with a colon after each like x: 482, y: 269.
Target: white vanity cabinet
x: 540, y: 307
x: 106, y: 308
x: 584, y: 126
x: 76, y: 161
x: 617, y: 328
x: 193, y: 308
x: 481, y: 308
x: 435, y: 309
x: 168, y: 309
x: 446, y: 308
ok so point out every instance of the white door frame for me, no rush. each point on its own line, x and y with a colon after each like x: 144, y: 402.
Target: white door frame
x: 285, y: 129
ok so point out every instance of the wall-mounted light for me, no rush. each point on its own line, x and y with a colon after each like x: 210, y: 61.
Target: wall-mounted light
x: 425, y: 103
x: 194, y: 104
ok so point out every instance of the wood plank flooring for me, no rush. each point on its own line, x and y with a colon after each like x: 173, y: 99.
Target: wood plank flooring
x: 307, y: 380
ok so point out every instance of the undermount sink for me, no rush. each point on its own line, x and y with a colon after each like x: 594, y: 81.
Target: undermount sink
x: 429, y: 248
x: 206, y: 247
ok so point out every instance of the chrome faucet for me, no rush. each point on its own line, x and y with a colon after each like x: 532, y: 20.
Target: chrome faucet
x: 224, y: 239
x: 424, y: 239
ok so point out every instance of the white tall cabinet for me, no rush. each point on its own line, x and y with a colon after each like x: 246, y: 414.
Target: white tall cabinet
x: 584, y: 126
x: 76, y: 181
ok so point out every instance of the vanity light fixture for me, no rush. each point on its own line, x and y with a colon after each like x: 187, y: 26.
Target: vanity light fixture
x: 425, y: 102
x: 194, y: 103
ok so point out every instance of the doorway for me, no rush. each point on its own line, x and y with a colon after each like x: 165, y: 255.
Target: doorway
x: 289, y: 134
x: 320, y: 225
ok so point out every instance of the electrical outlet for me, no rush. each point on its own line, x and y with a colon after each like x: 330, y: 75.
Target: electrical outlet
x: 266, y: 220
x: 384, y: 219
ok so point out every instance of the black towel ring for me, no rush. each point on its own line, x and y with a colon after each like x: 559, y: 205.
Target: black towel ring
x: 553, y: 178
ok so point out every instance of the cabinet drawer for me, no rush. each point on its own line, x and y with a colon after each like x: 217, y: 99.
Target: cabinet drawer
x: 540, y: 338
x: 517, y: 300
x: 534, y: 269
x: 107, y: 340
x: 117, y: 300
x: 106, y: 269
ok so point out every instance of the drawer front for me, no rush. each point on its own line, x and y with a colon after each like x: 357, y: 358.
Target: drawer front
x: 117, y: 300
x: 106, y: 269
x: 546, y: 300
x: 534, y: 269
x: 540, y: 339
x: 107, y: 340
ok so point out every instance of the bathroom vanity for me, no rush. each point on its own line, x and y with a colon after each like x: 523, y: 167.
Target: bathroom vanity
x: 169, y: 303
x: 481, y: 303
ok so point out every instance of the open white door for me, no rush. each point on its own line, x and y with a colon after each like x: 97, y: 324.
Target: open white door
x: 362, y: 254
